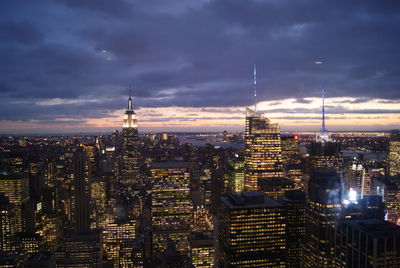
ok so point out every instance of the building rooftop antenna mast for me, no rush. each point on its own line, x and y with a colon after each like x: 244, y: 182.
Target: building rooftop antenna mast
x: 130, y: 100
x: 255, y: 87
x: 324, y: 135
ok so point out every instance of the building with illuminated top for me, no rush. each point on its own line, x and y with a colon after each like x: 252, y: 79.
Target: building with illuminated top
x: 324, y: 152
x: 354, y: 175
x: 171, y: 206
x: 236, y: 174
x: 130, y: 164
x: 263, y: 158
x: 251, y: 231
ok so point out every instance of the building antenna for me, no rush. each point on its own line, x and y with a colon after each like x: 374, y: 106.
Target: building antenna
x: 130, y: 99
x: 255, y: 86
x: 323, y: 130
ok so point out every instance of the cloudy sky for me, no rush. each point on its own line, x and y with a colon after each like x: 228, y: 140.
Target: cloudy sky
x: 66, y: 65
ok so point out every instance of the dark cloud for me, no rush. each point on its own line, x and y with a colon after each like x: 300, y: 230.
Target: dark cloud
x: 114, y: 8
x: 21, y: 32
x: 194, y: 53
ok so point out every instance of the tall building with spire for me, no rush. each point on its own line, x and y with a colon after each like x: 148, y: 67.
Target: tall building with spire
x: 263, y: 156
x: 324, y: 152
x: 130, y: 165
x: 323, y: 136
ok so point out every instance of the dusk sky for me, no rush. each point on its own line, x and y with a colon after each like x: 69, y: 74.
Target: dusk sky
x: 66, y: 65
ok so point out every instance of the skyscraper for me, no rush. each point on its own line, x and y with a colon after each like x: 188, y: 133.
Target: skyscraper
x: 263, y: 157
x: 367, y: 243
x: 323, y: 208
x: 130, y: 164
x: 202, y: 249
x: 236, y: 174
x: 15, y: 187
x: 81, y: 190
x: 7, y: 228
x: 251, y: 231
x: 292, y: 168
x: 295, y: 202
x: 387, y: 188
x: 325, y: 154
x: 171, y: 207
x: 394, y: 154
x: 118, y: 237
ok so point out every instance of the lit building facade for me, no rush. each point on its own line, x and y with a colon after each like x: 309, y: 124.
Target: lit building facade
x: 251, y: 231
x: 290, y: 150
x: 15, y: 187
x: 389, y: 191
x: 393, y: 157
x: 236, y: 174
x: 7, y: 226
x: 275, y: 187
x: 130, y: 141
x: 295, y: 202
x: 80, y: 250
x: 118, y: 239
x: 325, y: 155
x: 323, y: 208
x: 171, y: 206
x: 263, y: 158
x: 202, y: 249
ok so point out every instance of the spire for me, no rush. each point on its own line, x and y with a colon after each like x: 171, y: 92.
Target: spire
x: 255, y: 86
x: 130, y: 101
x: 323, y: 136
x: 323, y: 130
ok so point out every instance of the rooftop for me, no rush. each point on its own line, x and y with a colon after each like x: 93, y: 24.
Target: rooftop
x: 170, y: 165
x: 249, y: 199
x: 375, y: 227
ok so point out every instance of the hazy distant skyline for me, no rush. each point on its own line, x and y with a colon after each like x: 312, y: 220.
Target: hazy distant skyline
x: 67, y: 64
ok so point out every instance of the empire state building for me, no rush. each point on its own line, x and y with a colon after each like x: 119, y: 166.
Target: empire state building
x: 130, y: 165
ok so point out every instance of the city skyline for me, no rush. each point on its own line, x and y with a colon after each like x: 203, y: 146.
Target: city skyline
x: 67, y: 65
